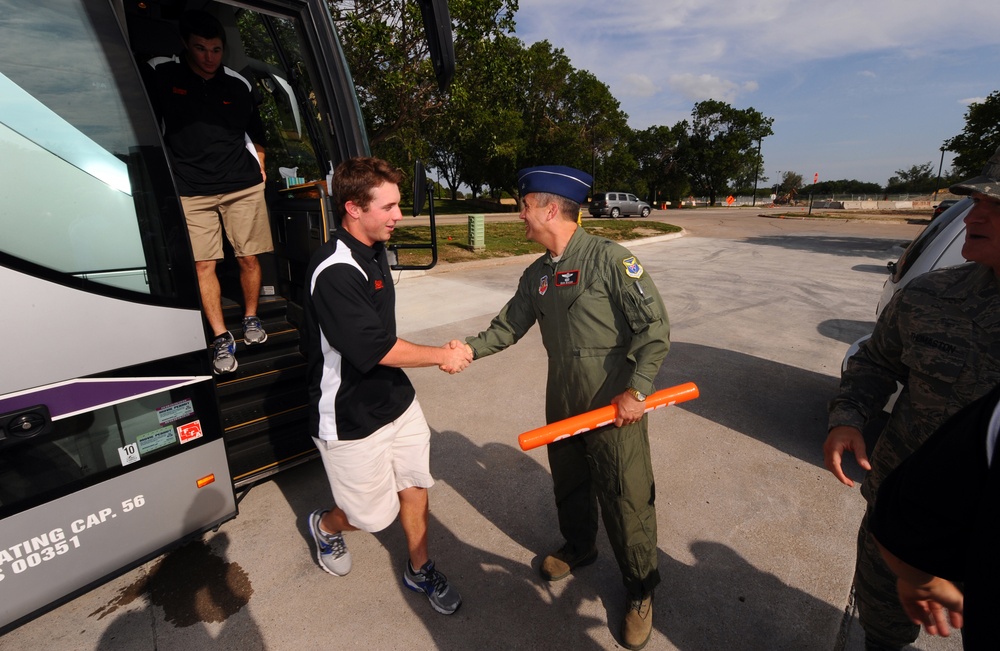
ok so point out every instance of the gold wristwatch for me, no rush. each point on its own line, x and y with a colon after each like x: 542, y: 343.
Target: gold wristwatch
x: 635, y: 393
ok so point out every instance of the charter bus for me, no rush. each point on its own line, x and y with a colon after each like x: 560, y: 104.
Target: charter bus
x: 116, y: 442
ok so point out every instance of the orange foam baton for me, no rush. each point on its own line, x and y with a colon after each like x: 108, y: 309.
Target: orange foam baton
x: 600, y: 417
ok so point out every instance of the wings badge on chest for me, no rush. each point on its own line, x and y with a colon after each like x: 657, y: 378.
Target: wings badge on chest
x: 566, y: 278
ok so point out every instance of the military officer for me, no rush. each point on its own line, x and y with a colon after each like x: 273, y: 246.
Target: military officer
x: 605, y: 330
x: 939, y: 337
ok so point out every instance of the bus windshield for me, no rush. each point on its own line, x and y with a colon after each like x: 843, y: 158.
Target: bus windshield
x: 72, y: 144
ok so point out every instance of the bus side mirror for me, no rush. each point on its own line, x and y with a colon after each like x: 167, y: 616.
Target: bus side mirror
x: 420, y: 195
x: 437, y: 27
x: 419, y: 188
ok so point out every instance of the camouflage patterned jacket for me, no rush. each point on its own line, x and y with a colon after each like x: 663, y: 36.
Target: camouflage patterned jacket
x: 940, y: 338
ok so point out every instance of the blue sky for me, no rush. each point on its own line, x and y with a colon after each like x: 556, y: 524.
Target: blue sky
x: 857, y: 89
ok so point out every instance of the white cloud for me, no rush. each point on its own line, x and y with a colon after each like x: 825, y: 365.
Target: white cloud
x: 705, y: 86
x: 639, y: 85
x: 814, y: 68
x: 972, y: 100
x: 693, y: 34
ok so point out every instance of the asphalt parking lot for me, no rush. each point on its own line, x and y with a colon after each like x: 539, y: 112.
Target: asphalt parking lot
x: 756, y: 539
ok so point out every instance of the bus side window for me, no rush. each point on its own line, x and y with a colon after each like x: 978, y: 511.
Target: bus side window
x: 291, y: 116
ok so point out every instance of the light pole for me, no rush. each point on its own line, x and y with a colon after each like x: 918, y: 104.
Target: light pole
x: 756, y: 173
x: 593, y: 164
x: 593, y: 169
x: 940, y: 165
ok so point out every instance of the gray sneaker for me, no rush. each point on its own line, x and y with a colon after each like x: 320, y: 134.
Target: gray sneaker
x: 444, y: 598
x: 253, y: 331
x: 331, y: 550
x: 224, y: 354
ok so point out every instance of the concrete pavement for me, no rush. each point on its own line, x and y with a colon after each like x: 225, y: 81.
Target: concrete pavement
x: 755, y: 537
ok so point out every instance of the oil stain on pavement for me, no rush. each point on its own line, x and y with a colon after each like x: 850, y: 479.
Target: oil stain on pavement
x: 192, y: 584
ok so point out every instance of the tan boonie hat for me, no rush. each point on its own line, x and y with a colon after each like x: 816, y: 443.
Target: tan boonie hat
x: 987, y: 183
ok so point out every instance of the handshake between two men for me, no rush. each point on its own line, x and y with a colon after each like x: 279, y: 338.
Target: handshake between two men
x: 458, y: 356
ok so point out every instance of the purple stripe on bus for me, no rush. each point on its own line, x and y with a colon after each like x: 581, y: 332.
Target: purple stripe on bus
x: 85, y: 395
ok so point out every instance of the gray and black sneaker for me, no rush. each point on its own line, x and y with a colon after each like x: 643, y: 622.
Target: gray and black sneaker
x: 253, y: 331
x: 224, y: 354
x: 444, y: 598
x: 331, y: 550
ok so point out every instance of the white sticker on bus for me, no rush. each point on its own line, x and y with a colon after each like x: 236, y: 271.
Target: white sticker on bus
x: 174, y: 411
x: 158, y: 438
x: 129, y: 453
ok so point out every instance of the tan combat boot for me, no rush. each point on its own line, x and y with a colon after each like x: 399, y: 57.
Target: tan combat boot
x: 558, y: 565
x: 638, y: 624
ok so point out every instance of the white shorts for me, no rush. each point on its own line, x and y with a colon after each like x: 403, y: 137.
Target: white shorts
x: 367, y: 474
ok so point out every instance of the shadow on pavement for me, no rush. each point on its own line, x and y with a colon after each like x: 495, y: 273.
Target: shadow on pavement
x: 832, y: 245
x: 780, y: 405
x: 719, y: 602
x: 724, y: 602
x: 504, y: 602
x: 871, y: 268
x: 845, y: 330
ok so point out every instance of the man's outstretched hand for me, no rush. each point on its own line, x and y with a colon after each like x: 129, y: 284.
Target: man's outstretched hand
x: 842, y: 439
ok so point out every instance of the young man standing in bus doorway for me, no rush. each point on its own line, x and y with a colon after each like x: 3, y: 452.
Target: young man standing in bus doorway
x: 214, y: 133
x: 364, y: 415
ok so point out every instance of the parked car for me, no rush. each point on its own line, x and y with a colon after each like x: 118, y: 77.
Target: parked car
x: 616, y: 204
x: 938, y: 245
x: 944, y: 205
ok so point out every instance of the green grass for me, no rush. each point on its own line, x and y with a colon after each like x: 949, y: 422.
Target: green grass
x: 504, y: 239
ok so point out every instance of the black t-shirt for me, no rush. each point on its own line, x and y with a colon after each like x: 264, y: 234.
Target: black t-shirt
x: 350, y: 327
x: 206, y: 125
x: 939, y: 511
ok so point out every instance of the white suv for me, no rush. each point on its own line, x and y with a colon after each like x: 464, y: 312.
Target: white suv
x: 938, y: 245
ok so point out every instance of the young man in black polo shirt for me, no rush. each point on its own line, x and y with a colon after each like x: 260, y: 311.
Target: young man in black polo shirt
x: 214, y: 135
x: 364, y: 416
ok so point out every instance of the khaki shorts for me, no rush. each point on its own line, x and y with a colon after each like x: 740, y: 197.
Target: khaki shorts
x: 366, y: 475
x: 243, y: 214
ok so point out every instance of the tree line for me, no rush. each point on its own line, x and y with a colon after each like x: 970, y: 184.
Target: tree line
x: 513, y: 105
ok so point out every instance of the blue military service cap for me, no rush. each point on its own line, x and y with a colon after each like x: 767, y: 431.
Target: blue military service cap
x: 555, y: 179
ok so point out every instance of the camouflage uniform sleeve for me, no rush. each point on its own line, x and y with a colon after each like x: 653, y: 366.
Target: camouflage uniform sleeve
x: 507, y: 327
x: 872, y: 373
x: 642, y: 305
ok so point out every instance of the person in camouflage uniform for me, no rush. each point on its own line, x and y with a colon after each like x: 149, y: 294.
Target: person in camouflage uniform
x: 939, y: 337
x: 605, y: 330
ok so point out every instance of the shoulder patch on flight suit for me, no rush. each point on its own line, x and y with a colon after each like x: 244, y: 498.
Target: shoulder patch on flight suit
x: 565, y: 278
x: 632, y: 267
x: 543, y: 285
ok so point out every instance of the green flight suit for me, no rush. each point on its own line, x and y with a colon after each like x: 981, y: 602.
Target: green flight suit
x: 605, y: 329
